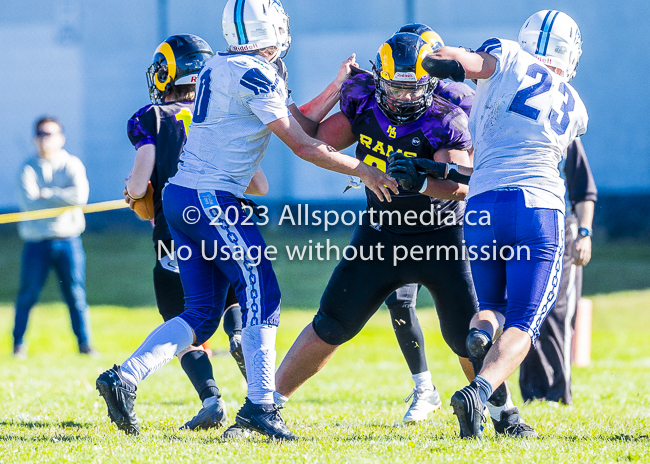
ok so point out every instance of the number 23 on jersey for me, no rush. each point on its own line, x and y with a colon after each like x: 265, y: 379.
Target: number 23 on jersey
x: 559, y: 121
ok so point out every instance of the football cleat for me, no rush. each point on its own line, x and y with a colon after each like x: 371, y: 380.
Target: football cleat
x: 513, y: 425
x: 265, y: 419
x: 235, y: 431
x: 237, y: 353
x: 469, y: 410
x: 424, y: 402
x: 120, y: 399
x: 212, y: 415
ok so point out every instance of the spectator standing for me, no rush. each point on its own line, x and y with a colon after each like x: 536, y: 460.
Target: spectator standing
x: 53, y: 179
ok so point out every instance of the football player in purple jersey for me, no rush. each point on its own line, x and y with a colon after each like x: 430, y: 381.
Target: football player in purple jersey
x: 402, y: 302
x: 394, y: 110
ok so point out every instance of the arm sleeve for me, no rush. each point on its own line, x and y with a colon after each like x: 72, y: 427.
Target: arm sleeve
x: 458, y: 132
x: 32, y: 197
x: 77, y: 193
x: 30, y: 192
x: 502, y: 50
x: 142, y: 126
x: 580, y: 180
x: 264, y: 97
x: 354, y: 94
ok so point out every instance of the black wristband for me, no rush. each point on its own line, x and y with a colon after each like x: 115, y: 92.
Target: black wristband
x: 458, y: 177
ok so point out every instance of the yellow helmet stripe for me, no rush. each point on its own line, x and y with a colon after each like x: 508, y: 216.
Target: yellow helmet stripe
x: 432, y: 37
x: 387, y: 61
x: 419, y: 70
x: 168, y: 53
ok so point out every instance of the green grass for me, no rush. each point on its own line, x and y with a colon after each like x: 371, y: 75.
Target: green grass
x: 350, y: 412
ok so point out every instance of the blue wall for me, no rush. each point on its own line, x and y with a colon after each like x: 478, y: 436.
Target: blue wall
x: 86, y: 62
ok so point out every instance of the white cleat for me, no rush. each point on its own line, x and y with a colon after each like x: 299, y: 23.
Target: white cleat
x: 424, y: 402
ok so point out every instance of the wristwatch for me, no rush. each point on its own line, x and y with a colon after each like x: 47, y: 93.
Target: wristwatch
x: 584, y: 232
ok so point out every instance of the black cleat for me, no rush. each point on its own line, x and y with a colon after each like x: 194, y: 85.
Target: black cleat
x: 119, y: 398
x: 235, y: 432
x: 264, y: 419
x: 237, y: 353
x: 469, y: 409
x: 512, y: 424
x: 211, y: 416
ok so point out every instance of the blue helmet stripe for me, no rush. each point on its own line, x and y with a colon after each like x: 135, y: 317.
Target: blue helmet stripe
x: 239, y: 22
x: 544, y: 35
x: 548, y: 32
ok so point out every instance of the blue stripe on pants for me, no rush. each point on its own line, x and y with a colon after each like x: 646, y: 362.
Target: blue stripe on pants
x: 209, y: 271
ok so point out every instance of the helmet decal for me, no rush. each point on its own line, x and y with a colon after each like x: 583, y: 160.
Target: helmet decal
x: 544, y: 34
x: 433, y: 39
x: 239, y: 22
x: 166, y: 50
x: 419, y: 70
x: 385, y: 55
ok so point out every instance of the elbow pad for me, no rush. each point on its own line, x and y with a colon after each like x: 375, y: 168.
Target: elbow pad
x: 444, y: 69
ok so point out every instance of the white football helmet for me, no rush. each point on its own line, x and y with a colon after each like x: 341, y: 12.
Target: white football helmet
x: 554, y: 39
x: 250, y: 25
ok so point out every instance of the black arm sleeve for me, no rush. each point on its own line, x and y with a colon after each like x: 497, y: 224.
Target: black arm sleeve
x: 580, y: 181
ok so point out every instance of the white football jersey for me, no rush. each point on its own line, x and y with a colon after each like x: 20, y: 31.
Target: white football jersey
x: 523, y: 118
x: 236, y: 96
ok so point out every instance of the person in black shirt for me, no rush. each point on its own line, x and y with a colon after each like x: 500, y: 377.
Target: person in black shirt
x: 545, y: 373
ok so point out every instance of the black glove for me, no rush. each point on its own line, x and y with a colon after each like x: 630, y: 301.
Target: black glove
x: 403, y: 170
x: 444, y: 69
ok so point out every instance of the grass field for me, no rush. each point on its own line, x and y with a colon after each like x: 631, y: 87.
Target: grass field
x: 350, y: 412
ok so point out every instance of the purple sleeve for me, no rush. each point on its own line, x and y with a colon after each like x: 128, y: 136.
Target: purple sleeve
x: 142, y: 126
x: 458, y: 93
x: 354, y: 95
x: 458, y: 131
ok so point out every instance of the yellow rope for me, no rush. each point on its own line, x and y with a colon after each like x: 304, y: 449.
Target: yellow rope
x: 53, y: 212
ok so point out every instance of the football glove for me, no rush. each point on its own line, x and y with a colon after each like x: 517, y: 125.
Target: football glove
x: 403, y: 170
x: 444, y: 69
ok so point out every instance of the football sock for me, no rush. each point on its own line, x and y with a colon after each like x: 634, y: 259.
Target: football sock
x: 198, y: 368
x: 232, y: 320
x: 484, y: 388
x: 158, y: 349
x: 279, y: 399
x: 495, y: 411
x: 409, y: 337
x: 258, y: 344
x: 423, y: 381
x: 210, y: 401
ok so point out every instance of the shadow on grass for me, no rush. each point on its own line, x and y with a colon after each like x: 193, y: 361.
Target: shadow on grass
x: 44, y: 438
x: 43, y: 424
x: 612, y: 438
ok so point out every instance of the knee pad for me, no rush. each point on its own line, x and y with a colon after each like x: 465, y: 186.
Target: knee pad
x: 478, y: 344
x: 330, y: 330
